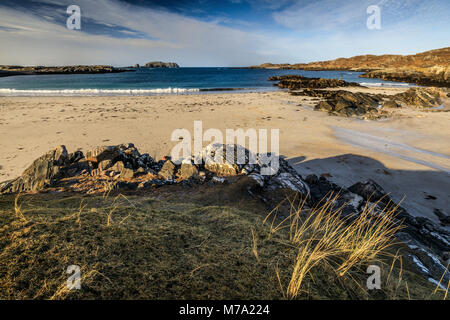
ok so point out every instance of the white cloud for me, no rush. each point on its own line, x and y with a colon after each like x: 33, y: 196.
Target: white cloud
x: 182, y: 39
x: 31, y: 39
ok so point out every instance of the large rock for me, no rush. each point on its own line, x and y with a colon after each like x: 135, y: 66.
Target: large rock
x: 99, y: 154
x: 420, y: 97
x: 369, y: 190
x: 43, y: 171
x: 346, y: 103
x: 187, y: 171
x: 167, y: 171
x: 226, y: 159
x: 287, y: 180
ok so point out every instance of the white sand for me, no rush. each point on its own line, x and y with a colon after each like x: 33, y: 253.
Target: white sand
x: 408, y: 154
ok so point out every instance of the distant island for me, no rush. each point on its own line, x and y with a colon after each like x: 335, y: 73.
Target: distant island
x: 160, y: 64
x: 39, y: 70
x: 426, y: 68
x: 9, y: 70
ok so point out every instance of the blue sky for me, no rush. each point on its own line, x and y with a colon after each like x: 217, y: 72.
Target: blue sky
x: 216, y: 33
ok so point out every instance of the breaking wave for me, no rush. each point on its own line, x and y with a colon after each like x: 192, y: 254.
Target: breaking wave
x: 385, y: 84
x: 94, y: 92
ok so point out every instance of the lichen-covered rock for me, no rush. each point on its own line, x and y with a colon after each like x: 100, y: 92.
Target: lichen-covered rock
x: 286, y: 180
x: 226, y: 159
x: 187, y: 171
x: 167, y: 171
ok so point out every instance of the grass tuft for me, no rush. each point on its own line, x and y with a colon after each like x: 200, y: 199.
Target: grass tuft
x: 321, y: 236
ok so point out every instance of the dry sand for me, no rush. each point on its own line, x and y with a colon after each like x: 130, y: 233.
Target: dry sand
x: 409, y: 154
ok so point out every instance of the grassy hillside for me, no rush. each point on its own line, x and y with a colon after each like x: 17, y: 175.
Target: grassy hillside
x: 426, y: 68
x: 180, y: 243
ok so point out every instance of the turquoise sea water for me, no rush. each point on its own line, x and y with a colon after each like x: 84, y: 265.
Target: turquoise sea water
x: 163, y: 81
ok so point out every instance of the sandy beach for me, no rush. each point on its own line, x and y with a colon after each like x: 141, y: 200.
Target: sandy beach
x: 408, y: 154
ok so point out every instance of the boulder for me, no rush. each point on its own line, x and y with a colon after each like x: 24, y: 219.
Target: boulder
x: 287, y: 180
x: 99, y: 154
x: 43, y: 171
x: 369, y: 190
x: 187, y: 171
x: 226, y: 159
x: 167, y: 171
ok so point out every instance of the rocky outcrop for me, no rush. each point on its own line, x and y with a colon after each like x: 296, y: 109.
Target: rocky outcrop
x: 346, y: 103
x: 296, y: 82
x: 160, y: 64
x: 426, y: 68
x: 38, y: 70
x: 420, y: 97
x: 371, y: 106
x: 123, y: 166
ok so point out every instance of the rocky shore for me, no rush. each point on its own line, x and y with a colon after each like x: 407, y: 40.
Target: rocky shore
x: 122, y: 167
x: 430, y: 68
x: 359, y: 104
x: 295, y: 82
x: 39, y: 70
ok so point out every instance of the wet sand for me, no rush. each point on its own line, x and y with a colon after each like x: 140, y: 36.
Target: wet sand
x: 409, y: 154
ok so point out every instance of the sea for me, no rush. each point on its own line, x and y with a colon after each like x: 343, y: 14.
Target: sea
x: 156, y: 81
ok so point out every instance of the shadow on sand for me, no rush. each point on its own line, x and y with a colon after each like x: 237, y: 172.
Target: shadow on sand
x: 423, y: 191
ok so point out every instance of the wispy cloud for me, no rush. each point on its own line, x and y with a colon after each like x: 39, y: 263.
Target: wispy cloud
x: 336, y: 16
x: 123, y: 33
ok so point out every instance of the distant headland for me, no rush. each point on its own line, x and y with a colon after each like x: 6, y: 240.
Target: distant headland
x: 40, y: 70
x: 426, y: 68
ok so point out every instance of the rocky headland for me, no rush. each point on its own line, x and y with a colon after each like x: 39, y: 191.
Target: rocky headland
x: 427, y: 68
x: 123, y: 168
x: 40, y: 70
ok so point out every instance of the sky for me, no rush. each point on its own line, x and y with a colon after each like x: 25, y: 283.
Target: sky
x: 216, y: 33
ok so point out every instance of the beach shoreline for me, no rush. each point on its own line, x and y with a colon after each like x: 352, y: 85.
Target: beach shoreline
x: 312, y: 141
